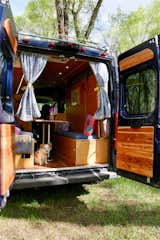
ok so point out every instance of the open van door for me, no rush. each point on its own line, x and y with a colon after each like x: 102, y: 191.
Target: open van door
x: 8, y: 46
x: 137, y: 139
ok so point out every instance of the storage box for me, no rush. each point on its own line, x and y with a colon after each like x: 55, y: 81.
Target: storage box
x: 91, y: 151
x: 25, y: 160
x: 21, y: 162
x: 82, y: 151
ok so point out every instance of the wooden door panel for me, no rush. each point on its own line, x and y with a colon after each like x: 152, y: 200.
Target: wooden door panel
x: 135, y: 150
x: 7, y: 147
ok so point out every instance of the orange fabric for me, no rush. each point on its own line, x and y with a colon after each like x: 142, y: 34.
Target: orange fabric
x: 9, y: 30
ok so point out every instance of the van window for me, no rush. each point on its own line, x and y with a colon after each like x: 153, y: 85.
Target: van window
x: 140, y: 92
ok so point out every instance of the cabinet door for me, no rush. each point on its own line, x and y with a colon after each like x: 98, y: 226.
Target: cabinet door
x: 7, y: 155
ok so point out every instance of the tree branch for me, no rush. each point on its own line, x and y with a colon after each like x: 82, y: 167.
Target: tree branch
x: 93, y: 19
x: 75, y: 13
x: 66, y: 5
x: 60, y: 19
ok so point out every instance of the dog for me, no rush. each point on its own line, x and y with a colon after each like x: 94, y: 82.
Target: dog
x: 42, y: 154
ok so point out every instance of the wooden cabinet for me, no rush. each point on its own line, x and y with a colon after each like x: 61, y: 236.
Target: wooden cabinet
x: 77, y: 152
x: 7, y: 154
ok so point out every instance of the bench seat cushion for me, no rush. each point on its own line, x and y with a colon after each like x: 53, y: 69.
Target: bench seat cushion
x: 23, y: 142
x: 74, y: 135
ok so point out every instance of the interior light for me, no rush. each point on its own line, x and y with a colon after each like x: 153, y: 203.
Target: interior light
x: 73, y: 57
x: 67, y: 67
x: 60, y: 73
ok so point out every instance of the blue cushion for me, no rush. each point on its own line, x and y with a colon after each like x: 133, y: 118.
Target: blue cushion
x: 24, y: 142
x: 75, y: 135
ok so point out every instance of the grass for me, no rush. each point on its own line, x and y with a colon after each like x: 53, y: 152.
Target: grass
x: 112, y: 210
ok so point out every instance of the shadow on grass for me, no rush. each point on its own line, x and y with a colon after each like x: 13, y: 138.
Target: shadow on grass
x: 63, y: 204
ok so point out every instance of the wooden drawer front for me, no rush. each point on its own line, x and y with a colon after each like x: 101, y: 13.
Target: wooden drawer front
x: 24, y: 162
x: 81, y: 151
x: 135, y: 150
x: 92, y: 151
x: 65, y: 148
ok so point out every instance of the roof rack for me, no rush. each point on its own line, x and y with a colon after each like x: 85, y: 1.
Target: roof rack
x: 88, y: 44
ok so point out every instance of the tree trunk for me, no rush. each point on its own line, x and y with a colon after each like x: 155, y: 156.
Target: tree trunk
x: 66, y: 5
x: 92, y: 20
x: 75, y: 13
x: 60, y: 19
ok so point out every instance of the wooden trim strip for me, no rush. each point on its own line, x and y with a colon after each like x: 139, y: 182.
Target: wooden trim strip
x: 135, y: 59
x: 9, y: 31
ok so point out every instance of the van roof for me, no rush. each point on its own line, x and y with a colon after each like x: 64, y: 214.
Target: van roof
x: 40, y: 43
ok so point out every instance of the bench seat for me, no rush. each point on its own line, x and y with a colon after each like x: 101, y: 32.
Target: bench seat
x: 74, y: 135
x: 77, y: 152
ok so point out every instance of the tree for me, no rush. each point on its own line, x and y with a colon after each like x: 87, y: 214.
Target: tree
x: 79, y: 8
x: 60, y: 17
x: 39, y: 18
x: 128, y: 30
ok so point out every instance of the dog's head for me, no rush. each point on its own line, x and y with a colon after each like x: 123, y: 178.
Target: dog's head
x: 46, y: 147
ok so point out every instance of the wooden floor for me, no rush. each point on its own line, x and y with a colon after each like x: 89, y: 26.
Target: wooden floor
x: 53, y: 163
x: 56, y: 162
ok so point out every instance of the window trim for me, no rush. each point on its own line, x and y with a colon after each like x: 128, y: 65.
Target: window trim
x: 123, y: 112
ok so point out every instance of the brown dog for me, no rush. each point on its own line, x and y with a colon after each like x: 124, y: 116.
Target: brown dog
x: 41, y: 155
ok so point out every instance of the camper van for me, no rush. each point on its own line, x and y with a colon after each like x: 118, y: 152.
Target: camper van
x: 59, y: 109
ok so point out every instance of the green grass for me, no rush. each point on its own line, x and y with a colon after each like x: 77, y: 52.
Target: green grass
x: 112, y: 210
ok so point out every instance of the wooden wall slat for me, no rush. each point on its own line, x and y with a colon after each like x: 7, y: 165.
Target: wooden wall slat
x: 76, y: 115
x: 135, y: 59
x: 135, y: 150
x: 7, y: 155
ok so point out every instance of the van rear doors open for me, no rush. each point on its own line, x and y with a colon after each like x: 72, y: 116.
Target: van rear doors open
x: 138, y: 136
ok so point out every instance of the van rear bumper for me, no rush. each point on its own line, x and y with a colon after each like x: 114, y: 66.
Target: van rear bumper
x: 42, y: 179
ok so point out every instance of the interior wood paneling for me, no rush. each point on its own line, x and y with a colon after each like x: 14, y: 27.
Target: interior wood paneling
x: 7, y: 154
x: 71, y: 70
x: 65, y: 149
x: 135, y: 148
x: 135, y: 59
x: 58, y: 73
x: 88, y: 102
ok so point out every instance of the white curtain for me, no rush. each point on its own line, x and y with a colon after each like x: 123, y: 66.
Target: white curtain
x: 33, y: 64
x: 102, y: 76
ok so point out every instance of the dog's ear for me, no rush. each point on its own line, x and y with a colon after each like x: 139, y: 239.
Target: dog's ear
x: 50, y: 145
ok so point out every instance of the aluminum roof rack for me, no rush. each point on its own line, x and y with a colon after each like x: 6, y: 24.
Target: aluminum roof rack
x: 88, y: 44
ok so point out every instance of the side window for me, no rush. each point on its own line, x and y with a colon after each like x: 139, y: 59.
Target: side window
x: 140, y: 92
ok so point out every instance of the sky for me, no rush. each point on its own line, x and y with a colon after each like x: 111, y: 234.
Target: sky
x: 109, y: 6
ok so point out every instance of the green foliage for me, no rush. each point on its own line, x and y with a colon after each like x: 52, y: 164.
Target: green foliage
x: 39, y: 18
x: 140, y: 92
x: 128, y: 30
